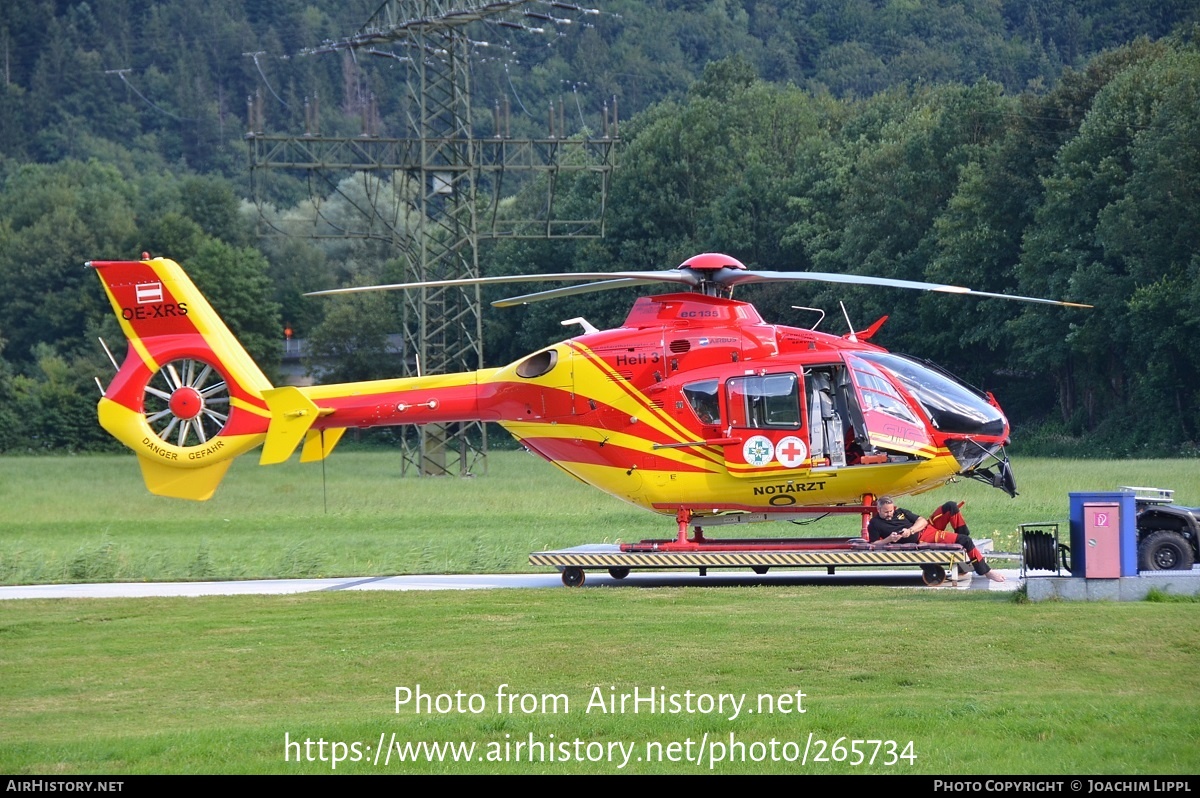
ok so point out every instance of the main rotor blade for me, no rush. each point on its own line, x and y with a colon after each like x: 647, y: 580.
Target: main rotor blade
x: 642, y: 278
x: 555, y: 293
x: 730, y: 278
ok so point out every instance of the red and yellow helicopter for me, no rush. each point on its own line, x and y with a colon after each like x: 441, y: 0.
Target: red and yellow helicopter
x: 693, y: 407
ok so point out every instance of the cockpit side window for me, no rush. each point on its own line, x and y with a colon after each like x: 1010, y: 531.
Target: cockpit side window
x: 702, y: 397
x: 769, y: 401
x: 879, y: 394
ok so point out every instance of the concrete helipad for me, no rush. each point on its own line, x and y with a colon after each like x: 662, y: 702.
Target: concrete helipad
x: 887, y: 578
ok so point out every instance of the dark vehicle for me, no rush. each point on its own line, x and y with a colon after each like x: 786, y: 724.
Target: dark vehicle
x: 1168, y: 534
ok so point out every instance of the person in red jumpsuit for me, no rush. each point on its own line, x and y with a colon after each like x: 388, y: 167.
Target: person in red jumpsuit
x: 892, y: 524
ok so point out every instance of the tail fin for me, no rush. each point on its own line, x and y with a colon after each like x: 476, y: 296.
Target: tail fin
x: 188, y: 398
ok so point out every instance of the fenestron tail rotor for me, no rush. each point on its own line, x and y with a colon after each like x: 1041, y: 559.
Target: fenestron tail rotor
x: 187, y: 398
x: 710, y: 273
x: 187, y: 402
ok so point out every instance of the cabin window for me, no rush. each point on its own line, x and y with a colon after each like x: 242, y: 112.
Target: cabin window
x: 702, y: 396
x: 769, y: 401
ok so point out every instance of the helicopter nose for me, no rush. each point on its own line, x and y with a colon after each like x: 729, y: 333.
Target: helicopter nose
x: 996, y: 471
x: 972, y: 418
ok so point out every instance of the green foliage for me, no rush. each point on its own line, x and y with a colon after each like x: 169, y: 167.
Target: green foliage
x: 1085, y: 193
x: 53, y: 219
x: 235, y: 282
x: 54, y: 409
x: 212, y: 204
x: 56, y: 217
x: 879, y: 147
x: 9, y: 415
x: 296, y: 267
x: 1108, y: 230
x: 172, y: 76
x: 1158, y: 596
x: 354, y: 342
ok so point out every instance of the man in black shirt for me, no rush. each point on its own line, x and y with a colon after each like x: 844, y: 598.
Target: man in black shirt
x: 892, y: 524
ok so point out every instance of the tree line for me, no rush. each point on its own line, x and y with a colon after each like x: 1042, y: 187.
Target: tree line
x: 169, y: 80
x: 1089, y: 192
x: 815, y: 136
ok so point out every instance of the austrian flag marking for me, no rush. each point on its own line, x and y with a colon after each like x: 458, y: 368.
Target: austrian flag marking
x: 148, y: 293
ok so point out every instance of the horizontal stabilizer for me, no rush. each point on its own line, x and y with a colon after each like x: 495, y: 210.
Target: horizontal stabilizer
x: 292, y: 413
x: 319, y: 443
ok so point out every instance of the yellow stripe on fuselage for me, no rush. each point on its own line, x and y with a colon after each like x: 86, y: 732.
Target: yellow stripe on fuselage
x: 597, y: 380
x: 647, y: 487
x: 345, y: 390
x: 235, y: 359
x: 583, y: 432
x: 249, y: 408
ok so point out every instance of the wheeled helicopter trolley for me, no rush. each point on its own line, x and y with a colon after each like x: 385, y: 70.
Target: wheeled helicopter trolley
x: 936, y: 561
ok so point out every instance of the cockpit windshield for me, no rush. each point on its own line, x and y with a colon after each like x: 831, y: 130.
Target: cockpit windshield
x: 951, y: 405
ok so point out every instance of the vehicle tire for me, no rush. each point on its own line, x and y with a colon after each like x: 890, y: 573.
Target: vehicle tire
x: 573, y: 576
x: 1165, y: 550
x: 933, y: 575
x: 618, y: 573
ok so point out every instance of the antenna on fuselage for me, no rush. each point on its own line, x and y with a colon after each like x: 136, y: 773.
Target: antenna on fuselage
x: 108, y: 352
x: 851, y: 335
x: 587, y: 326
x: 820, y: 317
x: 111, y: 359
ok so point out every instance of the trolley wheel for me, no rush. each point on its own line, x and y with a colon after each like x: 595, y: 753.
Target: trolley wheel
x: 932, y: 575
x: 759, y: 569
x: 573, y: 576
x: 618, y: 573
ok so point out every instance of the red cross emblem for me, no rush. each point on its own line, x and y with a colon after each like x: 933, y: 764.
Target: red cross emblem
x: 791, y: 451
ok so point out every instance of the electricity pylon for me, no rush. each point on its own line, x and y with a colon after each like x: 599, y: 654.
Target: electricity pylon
x: 440, y: 155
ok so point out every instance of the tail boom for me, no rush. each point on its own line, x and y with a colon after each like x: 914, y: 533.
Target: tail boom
x: 307, y: 413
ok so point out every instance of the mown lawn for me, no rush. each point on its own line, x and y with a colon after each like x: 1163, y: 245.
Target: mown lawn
x: 72, y: 519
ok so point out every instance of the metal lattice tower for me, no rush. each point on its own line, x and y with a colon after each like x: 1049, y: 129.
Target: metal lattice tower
x: 440, y: 155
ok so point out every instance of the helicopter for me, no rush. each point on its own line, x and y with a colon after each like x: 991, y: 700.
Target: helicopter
x: 694, y: 407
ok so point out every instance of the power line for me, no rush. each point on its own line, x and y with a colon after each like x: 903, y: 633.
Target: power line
x: 121, y: 74
x: 264, y: 77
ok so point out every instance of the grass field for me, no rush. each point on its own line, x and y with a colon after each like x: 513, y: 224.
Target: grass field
x: 72, y: 519
x: 979, y: 683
